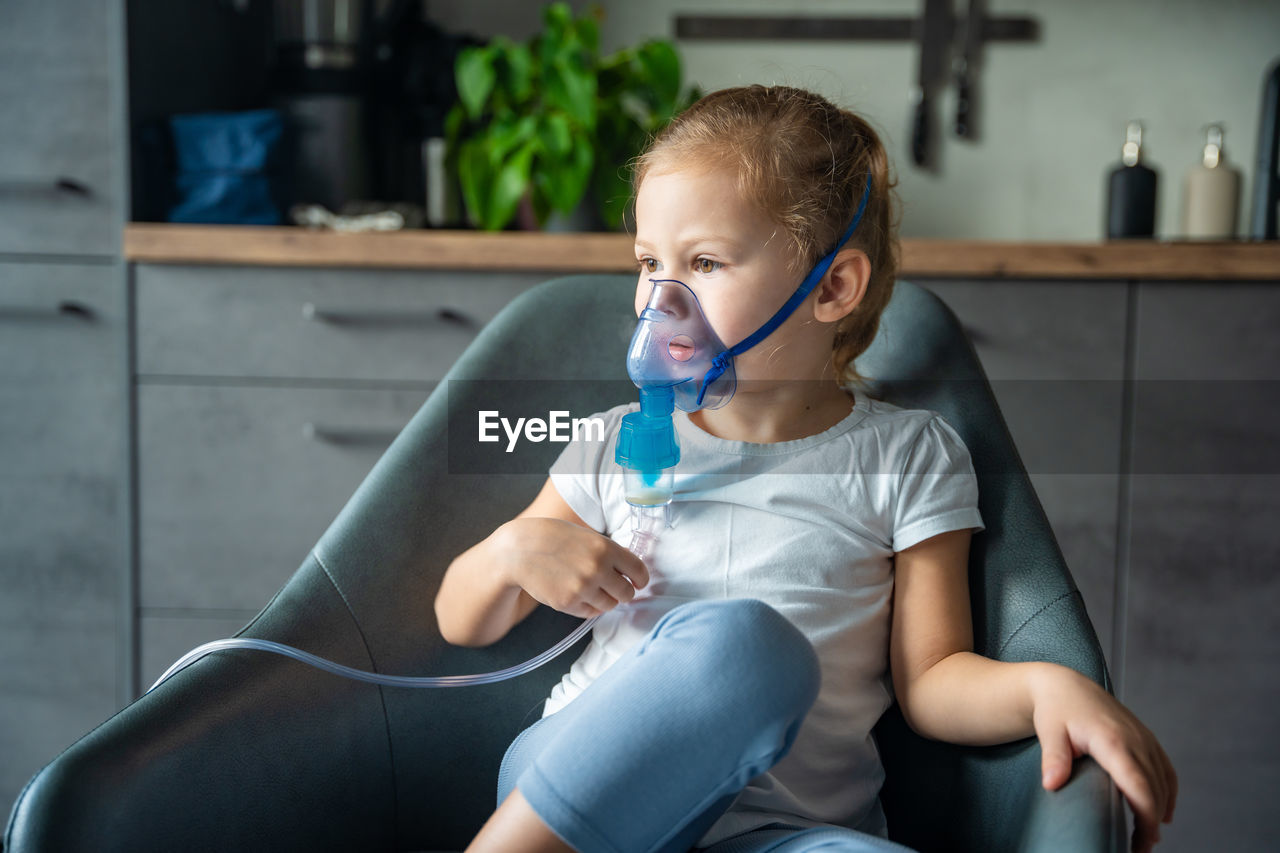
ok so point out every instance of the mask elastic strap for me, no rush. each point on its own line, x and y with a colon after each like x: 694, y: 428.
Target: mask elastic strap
x: 721, y: 362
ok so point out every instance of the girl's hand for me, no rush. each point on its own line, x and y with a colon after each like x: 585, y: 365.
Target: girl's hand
x: 566, y: 566
x: 1073, y: 716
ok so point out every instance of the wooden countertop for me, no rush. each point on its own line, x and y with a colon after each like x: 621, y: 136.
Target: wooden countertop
x: 164, y: 243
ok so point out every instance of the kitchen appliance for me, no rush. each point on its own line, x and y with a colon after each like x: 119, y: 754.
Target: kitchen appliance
x: 364, y: 85
x: 319, y: 85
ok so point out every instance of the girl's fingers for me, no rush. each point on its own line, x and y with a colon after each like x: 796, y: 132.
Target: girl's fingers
x: 1136, y: 786
x: 633, y: 568
x: 1055, y: 757
x: 618, y: 587
x: 583, y: 611
x: 1161, y: 776
x: 601, y: 600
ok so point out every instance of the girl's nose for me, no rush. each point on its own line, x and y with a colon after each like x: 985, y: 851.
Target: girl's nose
x: 671, y: 298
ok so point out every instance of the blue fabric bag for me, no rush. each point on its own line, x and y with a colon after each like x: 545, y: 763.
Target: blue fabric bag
x: 224, y: 170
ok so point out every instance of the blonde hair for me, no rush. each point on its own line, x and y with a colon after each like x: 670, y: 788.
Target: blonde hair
x: 804, y: 163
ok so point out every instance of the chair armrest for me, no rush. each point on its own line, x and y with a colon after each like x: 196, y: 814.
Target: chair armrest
x: 1084, y: 814
x: 241, y: 751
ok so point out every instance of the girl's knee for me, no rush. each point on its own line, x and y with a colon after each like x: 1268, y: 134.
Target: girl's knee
x: 749, y: 642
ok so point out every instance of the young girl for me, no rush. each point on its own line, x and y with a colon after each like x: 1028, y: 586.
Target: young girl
x: 815, y: 565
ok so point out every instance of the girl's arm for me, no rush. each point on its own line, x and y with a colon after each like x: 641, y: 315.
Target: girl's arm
x: 545, y: 554
x: 948, y: 693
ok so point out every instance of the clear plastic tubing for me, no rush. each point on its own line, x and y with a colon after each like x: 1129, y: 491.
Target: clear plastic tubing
x: 647, y: 518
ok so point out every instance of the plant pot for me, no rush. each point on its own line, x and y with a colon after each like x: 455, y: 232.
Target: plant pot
x: 583, y: 218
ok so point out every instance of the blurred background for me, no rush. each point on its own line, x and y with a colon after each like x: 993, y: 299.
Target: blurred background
x: 1050, y: 106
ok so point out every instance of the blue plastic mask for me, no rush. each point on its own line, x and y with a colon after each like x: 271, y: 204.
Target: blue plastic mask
x: 675, y: 347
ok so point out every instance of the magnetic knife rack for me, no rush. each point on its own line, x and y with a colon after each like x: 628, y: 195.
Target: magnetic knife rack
x: 936, y: 30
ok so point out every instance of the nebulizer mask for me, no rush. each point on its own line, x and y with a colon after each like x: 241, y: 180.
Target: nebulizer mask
x: 675, y: 359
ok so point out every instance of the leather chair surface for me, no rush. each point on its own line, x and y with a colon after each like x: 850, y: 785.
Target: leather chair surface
x: 248, y: 751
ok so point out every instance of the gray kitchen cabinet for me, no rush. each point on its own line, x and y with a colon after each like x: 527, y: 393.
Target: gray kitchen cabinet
x: 63, y: 507
x: 264, y: 396
x: 1204, y: 556
x: 1054, y: 352
x: 61, y: 98
x: 236, y: 483
x: 313, y: 324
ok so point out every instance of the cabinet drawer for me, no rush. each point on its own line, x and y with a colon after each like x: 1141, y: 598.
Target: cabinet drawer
x: 1209, y: 333
x: 61, y: 322
x: 313, y: 323
x: 59, y: 162
x: 1041, y: 329
x: 236, y: 484
x: 1054, y: 353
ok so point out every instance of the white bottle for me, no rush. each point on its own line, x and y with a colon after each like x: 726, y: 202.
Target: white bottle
x: 1211, y: 196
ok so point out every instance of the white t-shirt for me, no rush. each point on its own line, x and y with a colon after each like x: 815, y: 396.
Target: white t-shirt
x: 810, y: 527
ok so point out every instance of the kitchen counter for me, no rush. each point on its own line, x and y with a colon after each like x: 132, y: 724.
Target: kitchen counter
x: 162, y: 243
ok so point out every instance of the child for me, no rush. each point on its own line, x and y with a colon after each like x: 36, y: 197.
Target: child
x: 815, y: 566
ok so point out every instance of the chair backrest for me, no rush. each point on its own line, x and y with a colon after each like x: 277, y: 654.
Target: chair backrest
x: 267, y: 750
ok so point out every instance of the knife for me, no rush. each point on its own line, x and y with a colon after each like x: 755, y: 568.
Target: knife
x: 934, y: 37
x: 971, y: 40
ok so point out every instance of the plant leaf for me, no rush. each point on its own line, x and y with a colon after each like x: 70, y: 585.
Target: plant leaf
x: 573, y: 88
x: 662, y: 68
x: 475, y: 75
x: 588, y: 31
x: 555, y: 134
x: 507, y: 133
x: 509, y: 185
x: 474, y: 178
x: 559, y: 18
x: 612, y: 187
x: 519, y: 71
x: 570, y: 183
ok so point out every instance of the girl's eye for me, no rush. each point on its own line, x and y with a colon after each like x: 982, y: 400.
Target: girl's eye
x: 649, y: 265
x: 706, y: 265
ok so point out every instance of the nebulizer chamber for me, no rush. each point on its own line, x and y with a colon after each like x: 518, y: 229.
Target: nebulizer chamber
x: 647, y: 452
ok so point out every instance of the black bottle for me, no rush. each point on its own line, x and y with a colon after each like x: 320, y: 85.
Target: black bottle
x: 1131, y: 191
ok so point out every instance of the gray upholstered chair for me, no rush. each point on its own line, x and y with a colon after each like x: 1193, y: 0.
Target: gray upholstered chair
x: 249, y: 751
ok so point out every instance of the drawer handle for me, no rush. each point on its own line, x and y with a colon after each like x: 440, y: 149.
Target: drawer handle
x: 65, y: 310
x: 347, y: 435
x: 61, y: 185
x: 353, y: 316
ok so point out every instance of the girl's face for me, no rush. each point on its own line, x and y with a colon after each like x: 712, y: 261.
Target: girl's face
x: 692, y: 226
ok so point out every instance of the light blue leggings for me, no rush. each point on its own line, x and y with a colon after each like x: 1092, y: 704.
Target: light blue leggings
x: 657, y: 748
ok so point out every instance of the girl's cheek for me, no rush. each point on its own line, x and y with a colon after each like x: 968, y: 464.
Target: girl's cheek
x: 724, y: 326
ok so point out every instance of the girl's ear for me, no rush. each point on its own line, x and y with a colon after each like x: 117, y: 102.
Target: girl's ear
x: 843, y: 287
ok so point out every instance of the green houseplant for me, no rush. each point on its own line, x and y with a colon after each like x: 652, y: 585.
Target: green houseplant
x: 552, y: 120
